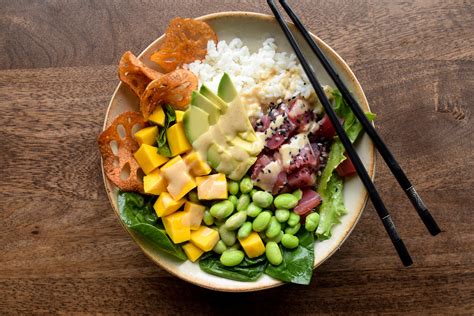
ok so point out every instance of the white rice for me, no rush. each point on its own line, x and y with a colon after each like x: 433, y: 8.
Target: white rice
x: 260, y: 77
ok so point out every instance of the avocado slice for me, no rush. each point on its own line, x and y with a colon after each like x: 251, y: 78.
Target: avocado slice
x: 241, y: 169
x: 220, y: 159
x: 226, y: 90
x: 205, y: 91
x: 196, y: 123
x: 213, y: 156
x: 208, y: 106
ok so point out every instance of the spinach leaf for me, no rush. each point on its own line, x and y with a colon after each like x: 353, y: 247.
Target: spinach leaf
x: 162, y: 142
x: 333, y: 207
x: 137, y: 213
x: 297, y: 265
x: 248, y: 270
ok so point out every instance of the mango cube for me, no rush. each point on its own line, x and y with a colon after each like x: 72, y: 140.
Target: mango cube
x: 196, y: 213
x: 192, y: 251
x: 212, y: 187
x: 177, y: 227
x: 179, y: 116
x: 205, y: 238
x: 154, y: 183
x: 197, y: 166
x: 148, y: 158
x: 253, y: 245
x: 177, y: 139
x: 147, y: 135
x: 179, y: 180
x: 166, y: 205
x: 158, y: 116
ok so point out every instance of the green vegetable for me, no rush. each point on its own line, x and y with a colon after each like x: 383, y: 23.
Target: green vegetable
x: 243, y: 202
x: 220, y: 247
x: 227, y: 236
x: 290, y: 241
x: 253, y: 210
x: 277, y: 238
x: 252, y: 192
x: 162, y: 142
x: 292, y: 230
x: 232, y: 257
x: 246, y: 185
x: 273, y: 229
x: 298, y: 194
x: 137, y: 214
x: 208, y: 218
x: 235, y: 221
x: 273, y: 253
x: 262, y: 199
x: 244, y: 230
x: 282, y: 215
x: 293, y: 219
x: 285, y: 200
x: 193, y: 197
x: 247, y: 271
x: 222, y: 209
x: 233, y: 199
x: 332, y: 207
x: 311, y: 222
x: 233, y: 187
x: 261, y: 222
x: 297, y: 265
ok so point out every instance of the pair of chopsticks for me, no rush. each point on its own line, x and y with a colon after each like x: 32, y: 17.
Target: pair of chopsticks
x: 397, y: 171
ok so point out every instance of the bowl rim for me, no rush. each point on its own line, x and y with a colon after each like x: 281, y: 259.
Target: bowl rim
x: 361, y: 203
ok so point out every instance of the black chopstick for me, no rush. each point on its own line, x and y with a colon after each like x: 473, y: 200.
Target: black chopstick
x: 374, y: 196
x: 393, y: 165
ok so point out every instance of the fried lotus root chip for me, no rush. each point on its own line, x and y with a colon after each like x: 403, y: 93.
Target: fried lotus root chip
x: 174, y: 88
x: 135, y: 74
x: 119, y: 163
x: 185, y: 41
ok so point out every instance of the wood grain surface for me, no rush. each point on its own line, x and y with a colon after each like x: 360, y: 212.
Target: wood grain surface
x: 62, y: 249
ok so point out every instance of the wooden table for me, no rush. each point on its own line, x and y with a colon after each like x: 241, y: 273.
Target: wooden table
x: 62, y: 249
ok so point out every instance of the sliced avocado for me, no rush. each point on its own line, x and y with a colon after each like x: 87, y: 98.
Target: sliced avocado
x: 241, y: 169
x: 252, y: 148
x: 226, y: 90
x: 208, y: 106
x: 205, y: 91
x: 220, y: 159
x: 213, y: 156
x: 196, y: 123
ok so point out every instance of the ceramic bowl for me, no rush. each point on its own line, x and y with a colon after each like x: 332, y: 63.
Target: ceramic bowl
x: 252, y: 29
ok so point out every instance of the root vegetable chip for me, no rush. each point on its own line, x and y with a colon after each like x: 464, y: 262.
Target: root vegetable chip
x: 174, y: 88
x: 135, y: 74
x: 117, y: 146
x: 185, y: 41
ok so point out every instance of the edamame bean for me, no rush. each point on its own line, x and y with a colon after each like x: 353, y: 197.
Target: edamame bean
x: 219, y: 223
x: 290, y: 241
x: 311, y: 222
x: 236, y: 220
x: 220, y: 247
x: 233, y: 187
x: 282, y: 215
x: 246, y: 185
x: 253, y: 210
x: 261, y: 222
x: 235, y: 246
x: 244, y: 230
x: 207, y: 218
x: 222, y: 209
x: 232, y: 257
x: 193, y: 197
x: 293, y: 219
x: 273, y: 229
x: 243, y: 202
x: 227, y: 236
x: 285, y: 200
x: 292, y: 230
x: 233, y: 199
x: 298, y: 194
x: 252, y: 192
x: 262, y: 199
x: 277, y: 238
x: 273, y: 253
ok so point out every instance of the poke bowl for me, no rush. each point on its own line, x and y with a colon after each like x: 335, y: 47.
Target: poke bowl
x: 237, y: 178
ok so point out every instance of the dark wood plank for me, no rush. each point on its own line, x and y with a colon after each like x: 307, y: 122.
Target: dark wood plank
x: 64, y: 251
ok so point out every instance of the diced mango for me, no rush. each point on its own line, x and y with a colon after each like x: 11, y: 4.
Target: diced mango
x: 179, y: 180
x: 197, y: 166
x: 179, y: 116
x: 253, y: 245
x: 205, y: 238
x: 158, y: 116
x: 147, y: 135
x: 165, y: 204
x: 212, y: 187
x: 196, y: 212
x: 154, y: 183
x: 177, y: 226
x: 148, y: 158
x: 177, y: 139
x: 192, y: 251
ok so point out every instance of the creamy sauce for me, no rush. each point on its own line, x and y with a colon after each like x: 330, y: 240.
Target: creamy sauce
x: 177, y: 176
x: 210, y: 185
x: 267, y: 178
x: 290, y: 150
